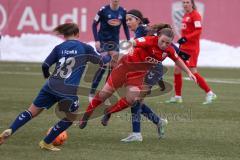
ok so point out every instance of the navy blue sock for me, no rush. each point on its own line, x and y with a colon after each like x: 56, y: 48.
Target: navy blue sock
x: 21, y: 119
x: 97, y: 78
x: 57, y: 129
x: 136, y: 117
x: 147, y: 112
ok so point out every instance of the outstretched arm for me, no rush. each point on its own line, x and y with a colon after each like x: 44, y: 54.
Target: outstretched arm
x: 181, y: 65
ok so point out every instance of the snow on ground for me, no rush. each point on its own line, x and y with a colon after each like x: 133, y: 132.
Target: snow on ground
x: 36, y: 47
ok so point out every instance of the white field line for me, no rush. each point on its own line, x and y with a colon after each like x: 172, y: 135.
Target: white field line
x: 223, y: 81
x: 21, y: 73
x: 211, y: 80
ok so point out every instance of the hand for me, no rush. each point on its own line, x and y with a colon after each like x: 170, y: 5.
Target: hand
x: 182, y: 40
x: 192, y: 77
x: 98, y: 45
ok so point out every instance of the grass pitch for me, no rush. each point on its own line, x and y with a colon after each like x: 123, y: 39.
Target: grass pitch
x: 195, y: 131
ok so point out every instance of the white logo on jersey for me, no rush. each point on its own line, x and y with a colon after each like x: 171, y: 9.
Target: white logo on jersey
x: 164, y: 55
x: 152, y: 60
x: 187, y: 19
x: 197, y: 24
x: 96, y: 17
x: 120, y: 17
x: 142, y: 39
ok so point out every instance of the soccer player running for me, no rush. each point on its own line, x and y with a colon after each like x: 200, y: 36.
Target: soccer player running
x: 110, y: 17
x: 139, y: 25
x: 148, y: 52
x: 70, y: 58
x: 189, y: 43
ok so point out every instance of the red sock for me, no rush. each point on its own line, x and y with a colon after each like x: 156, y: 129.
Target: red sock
x: 93, y: 104
x: 202, y: 83
x: 120, y: 105
x: 178, y: 84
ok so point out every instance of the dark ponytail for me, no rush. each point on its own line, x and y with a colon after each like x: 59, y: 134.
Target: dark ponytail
x: 156, y: 28
x: 67, y: 29
x: 145, y: 21
x: 194, y: 4
x: 138, y: 14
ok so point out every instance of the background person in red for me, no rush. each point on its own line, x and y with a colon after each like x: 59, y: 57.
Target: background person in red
x: 189, y: 43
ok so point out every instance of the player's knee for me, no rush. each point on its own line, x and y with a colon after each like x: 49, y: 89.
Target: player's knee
x: 34, y: 110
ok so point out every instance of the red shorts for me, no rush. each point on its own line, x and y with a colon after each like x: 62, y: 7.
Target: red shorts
x: 125, y: 74
x: 192, y: 62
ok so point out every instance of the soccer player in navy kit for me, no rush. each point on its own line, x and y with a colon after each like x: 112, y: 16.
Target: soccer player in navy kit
x: 70, y: 58
x: 110, y: 17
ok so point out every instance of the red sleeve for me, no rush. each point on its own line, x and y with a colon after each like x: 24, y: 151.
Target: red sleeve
x: 197, y: 22
x: 172, y: 54
x: 145, y: 42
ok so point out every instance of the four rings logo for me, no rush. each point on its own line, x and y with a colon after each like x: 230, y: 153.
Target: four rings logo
x: 178, y: 12
x: 152, y: 60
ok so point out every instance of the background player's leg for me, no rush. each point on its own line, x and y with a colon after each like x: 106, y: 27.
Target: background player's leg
x: 203, y: 84
x: 96, y: 79
x: 177, y: 86
x: 178, y: 81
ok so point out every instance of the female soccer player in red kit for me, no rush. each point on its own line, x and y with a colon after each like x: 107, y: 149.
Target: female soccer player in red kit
x: 189, y: 43
x: 148, y: 51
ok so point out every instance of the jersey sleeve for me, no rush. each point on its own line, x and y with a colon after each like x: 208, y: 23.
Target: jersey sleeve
x: 145, y: 42
x: 172, y: 54
x: 197, y: 20
x: 99, y: 14
x: 197, y: 25
x: 94, y: 57
x: 96, y: 20
x: 52, y: 58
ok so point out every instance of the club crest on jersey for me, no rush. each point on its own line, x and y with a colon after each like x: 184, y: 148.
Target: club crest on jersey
x: 114, y: 22
x: 178, y: 13
x: 120, y: 17
x: 164, y: 55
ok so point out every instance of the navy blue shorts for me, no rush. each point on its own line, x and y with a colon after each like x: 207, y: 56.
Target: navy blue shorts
x: 154, y: 75
x: 46, y: 99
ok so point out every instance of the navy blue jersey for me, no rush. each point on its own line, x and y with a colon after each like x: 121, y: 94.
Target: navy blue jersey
x: 70, y: 58
x: 110, y: 23
x: 141, y: 31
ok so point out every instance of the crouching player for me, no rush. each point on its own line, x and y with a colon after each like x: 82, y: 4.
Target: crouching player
x: 148, y: 52
x: 70, y: 58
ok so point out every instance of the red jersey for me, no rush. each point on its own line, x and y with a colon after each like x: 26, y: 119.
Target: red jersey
x: 146, y: 54
x: 191, y: 29
x: 132, y: 68
x: 147, y: 51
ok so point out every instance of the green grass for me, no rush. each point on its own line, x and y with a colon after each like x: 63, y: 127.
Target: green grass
x: 195, y: 131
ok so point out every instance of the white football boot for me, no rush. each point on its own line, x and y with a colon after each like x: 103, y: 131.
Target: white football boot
x: 133, y: 137
x: 210, y: 97
x: 175, y: 99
